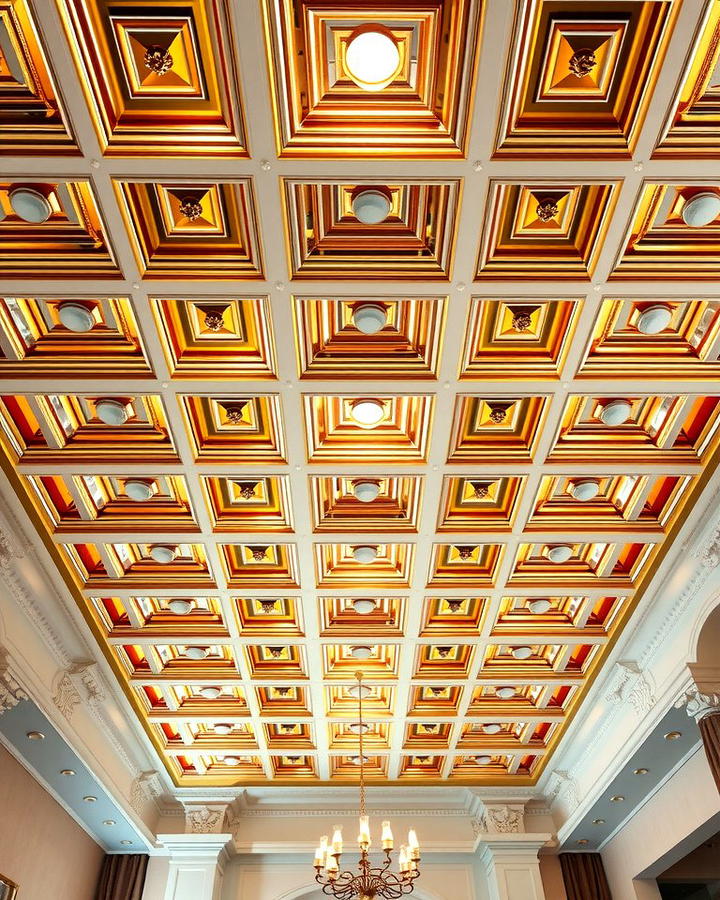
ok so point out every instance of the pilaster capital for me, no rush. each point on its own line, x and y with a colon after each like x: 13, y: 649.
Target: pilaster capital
x: 205, y: 846
x: 698, y: 704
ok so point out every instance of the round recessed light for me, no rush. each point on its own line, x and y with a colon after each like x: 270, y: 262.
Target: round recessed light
x: 585, y: 490
x: 30, y: 204
x: 371, y: 207
x: 560, y: 553
x: 359, y: 727
x: 357, y: 690
x: 492, y: 728
x: 598, y: 821
x: 163, y: 553
x: 539, y: 606
x: 641, y: 771
x: 368, y: 412
x: 68, y: 772
x: 616, y: 412
x: 365, y: 555
x: 483, y: 760
x: 109, y: 822
x: 522, y: 652
x: 355, y: 760
x: 701, y: 210
x: 582, y: 842
x: 89, y: 799
x: 673, y: 735
x: 364, y: 605
x: 35, y: 736
x: 180, y: 607
x: 618, y: 798
x: 366, y: 491
x: 210, y: 692
x: 231, y: 761
x: 372, y: 57
x: 196, y: 652
x: 361, y: 652
x: 139, y: 490
x: 654, y: 319
x: 369, y: 318
x: 222, y: 728
x: 506, y: 692
x: 126, y: 843
x: 112, y: 412
x: 75, y: 317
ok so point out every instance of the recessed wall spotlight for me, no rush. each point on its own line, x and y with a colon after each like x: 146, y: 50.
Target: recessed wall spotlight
x: 673, y: 735
x: 89, y: 799
x: 582, y: 842
x: 163, y: 553
x: 598, y: 821
x: 370, y: 318
x: 539, y: 606
x: 75, y: 316
x: 368, y: 412
x: 372, y: 57
x: 618, y: 798
x: 210, y: 692
x: 654, y: 319
x: 111, y: 411
x: 180, y: 607
x: 365, y: 555
x: 30, y: 202
x: 371, y: 206
x: 560, y: 553
x: 641, y: 771
x: 35, y: 736
x: 364, y: 605
x: 701, y: 210
x: 109, y: 822
x: 522, y: 652
x: 366, y: 491
x: 126, y: 843
x: 361, y: 652
x: 615, y: 413
x: 68, y: 772
x: 584, y: 490
x: 140, y: 490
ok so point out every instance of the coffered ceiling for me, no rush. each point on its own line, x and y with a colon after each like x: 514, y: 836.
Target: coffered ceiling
x: 250, y: 490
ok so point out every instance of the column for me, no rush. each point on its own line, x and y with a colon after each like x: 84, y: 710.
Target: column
x: 705, y: 709
x: 192, y: 870
x: 509, y: 855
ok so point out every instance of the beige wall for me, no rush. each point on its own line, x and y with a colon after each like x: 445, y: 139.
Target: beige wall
x: 41, y: 848
x: 551, y: 875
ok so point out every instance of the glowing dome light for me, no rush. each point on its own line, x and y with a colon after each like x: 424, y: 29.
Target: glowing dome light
x: 506, y: 692
x: 363, y: 606
x: 365, y: 555
x: 368, y: 413
x: 112, y: 412
x: 162, y: 553
x: 701, y: 210
x: 539, y: 606
x: 492, y: 728
x: 654, y: 319
x: 222, y: 728
x: 584, y: 490
x: 210, y: 692
x: 372, y: 57
x: 561, y: 553
x: 369, y: 318
x: 371, y: 207
x: 366, y: 491
x: 522, y: 652
x: 139, y: 490
x: 30, y: 204
x: 483, y: 760
x: 180, y: 607
x: 196, y: 652
x: 616, y: 412
x: 361, y: 652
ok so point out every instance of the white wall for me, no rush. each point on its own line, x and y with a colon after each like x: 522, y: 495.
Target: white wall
x: 685, y: 811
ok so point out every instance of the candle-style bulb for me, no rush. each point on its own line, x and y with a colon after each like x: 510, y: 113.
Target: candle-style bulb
x: 413, y: 845
x: 364, y: 833
x: 337, y: 841
x: 403, y: 863
x: 387, y: 836
x: 332, y: 865
x: 321, y: 852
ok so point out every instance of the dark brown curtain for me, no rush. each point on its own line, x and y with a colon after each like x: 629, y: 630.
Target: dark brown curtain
x: 584, y: 876
x: 122, y: 877
x: 710, y: 731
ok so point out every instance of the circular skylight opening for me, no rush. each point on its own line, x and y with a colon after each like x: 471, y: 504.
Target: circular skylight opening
x: 371, y: 207
x: 368, y: 412
x: 616, y: 412
x: 654, y: 319
x: 365, y: 555
x: 180, y: 607
x: 561, y: 553
x: 75, y: 317
x: 30, y: 204
x: 364, y: 605
x: 366, y: 491
x: 701, y: 210
x: 112, y: 412
x: 369, y: 318
x: 372, y: 58
x: 584, y: 490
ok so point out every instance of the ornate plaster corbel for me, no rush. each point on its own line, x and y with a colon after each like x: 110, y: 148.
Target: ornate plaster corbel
x: 146, y: 787
x: 504, y: 818
x: 205, y: 819
x: 633, y: 685
x: 709, y: 553
x: 563, y: 787
x: 11, y: 693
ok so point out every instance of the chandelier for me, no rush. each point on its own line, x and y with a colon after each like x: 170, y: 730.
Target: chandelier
x: 370, y: 881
